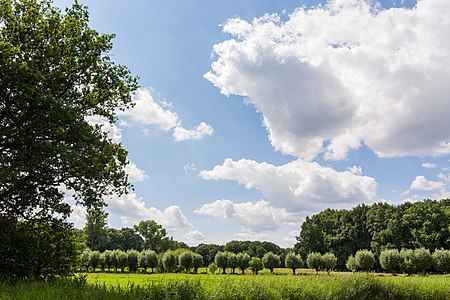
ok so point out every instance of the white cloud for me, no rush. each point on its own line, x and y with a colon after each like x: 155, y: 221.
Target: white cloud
x: 357, y: 170
x: 149, y: 111
x: 429, y: 165
x: 423, y: 184
x: 324, y: 85
x: 133, y: 209
x: 134, y: 173
x: 298, y: 185
x: 78, y: 216
x: 190, y: 167
x: 114, y: 132
x: 194, y: 237
x: 199, y: 132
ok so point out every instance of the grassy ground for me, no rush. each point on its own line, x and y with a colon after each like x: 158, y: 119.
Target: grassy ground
x: 215, y: 286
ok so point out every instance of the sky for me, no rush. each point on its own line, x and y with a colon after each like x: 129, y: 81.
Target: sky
x: 253, y: 114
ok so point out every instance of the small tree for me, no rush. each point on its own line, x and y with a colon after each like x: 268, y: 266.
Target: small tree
x: 243, y: 261
x: 365, y: 260
x: 212, y: 268
x: 271, y: 261
x: 422, y: 260
x: 152, y: 259
x: 185, y: 261
x: 314, y: 261
x: 407, y: 261
x: 94, y: 259
x: 441, y: 260
x: 329, y: 261
x: 85, y: 259
x: 221, y: 261
x: 115, y: 259
x: 108, y: 259
x: 102, y: 261
x: 293, y: 262
x: 122, y: 260
x: 169, y: 261
x: 390, y: 260
x: 255, y: 265
x: 133, y: 260
x: 351, y: 263
x: 197, y: 261
x: 233, y: 261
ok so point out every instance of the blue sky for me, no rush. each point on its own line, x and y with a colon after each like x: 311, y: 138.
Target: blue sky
x: 254, y: 114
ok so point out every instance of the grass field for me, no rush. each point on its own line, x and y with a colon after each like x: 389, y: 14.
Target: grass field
x: 215, y: 286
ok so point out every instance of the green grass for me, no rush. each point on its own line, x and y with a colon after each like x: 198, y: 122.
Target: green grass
x: 214, y: 286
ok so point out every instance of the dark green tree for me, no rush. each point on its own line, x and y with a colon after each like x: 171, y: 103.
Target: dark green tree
x: 221, y: 261
x: 293, y: 262
x: 154, y: 235
x: 95, y: 228
x: 270, y: 261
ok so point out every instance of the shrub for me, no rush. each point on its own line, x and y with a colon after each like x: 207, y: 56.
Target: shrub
x: 407, y: 261
x: 243, y: 261
x: 293, y: 262
x: 255, y: 265
x: 441, y: 260
x: 169, y: 261
x: 314, y: 261
x: 329, y: 261
x: 351, y: 264
x: 221, y: 261
x: 212, y: 268
x: 390, y: 260
x: 270, y: 261
x: 365, y: 260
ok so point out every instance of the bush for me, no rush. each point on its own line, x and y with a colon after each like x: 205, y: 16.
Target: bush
x: 314, y: 261
x: 351, y: 264
x: 441, y: 260
x: 255, y: 265
x: 212, y: 268
x: 390, y: 260
x: 293, y: 262
x: 329, y: 261
x: 365, y: 260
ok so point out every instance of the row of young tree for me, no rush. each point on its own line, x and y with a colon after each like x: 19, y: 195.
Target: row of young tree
x: 424, y: 224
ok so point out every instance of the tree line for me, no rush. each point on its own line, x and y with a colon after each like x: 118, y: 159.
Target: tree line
x: 424, y: 224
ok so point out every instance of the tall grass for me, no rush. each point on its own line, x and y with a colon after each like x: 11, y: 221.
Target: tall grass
x: 238, y: 287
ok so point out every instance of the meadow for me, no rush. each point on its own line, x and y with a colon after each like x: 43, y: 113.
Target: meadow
x: 307, y: 285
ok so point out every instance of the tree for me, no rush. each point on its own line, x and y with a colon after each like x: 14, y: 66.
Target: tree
x: 197, y: 261
x: 221, y: 261
x: 169, y: 261
x: 407, y: 261
x: 422, y: 259
x: 153, y: 234
x: 271, y: 261
x: 148, y: 259
x: 94, y: 259
x: 56, y: 76
x: 122, y: 260
x: 133, y: 260
x: 212, y: 268
x: 329, y: 261
x: 365, y: 260
x: 314, y: 261
x: 441, y: 260
x: 185, y: 261
x: 85, y: 259
x: 102, y: 261
x: 293, y: 262
x: 109, y: 259
x: 243, y: 261
x: 255, y: 265
x: 390, y: 260
x: 233, y: 261
x: 351, y: 264
x: 95, y: 228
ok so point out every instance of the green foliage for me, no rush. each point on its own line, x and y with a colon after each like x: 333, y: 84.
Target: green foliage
x: 365, y: 260
x: 243, y: 261
x: 169, y: 261
x: 122, y: 259
x: 255, y: 265
x: 148, y: 259
x: 95, y: 228
x: 329, y: 261
x: 133, y: 260
x: 351, y: 264
x: 271, y: 261
x: 407, y: 261
x: 293, y: 261
x: 232, y: 261
x: 441, y: 260
x: 422, y: 259
x: 390, y: 260
x: 212, y: 268
x: 197, y: 261
x: 85, y: 258
x: 221, y: 261
x: 314, y: 261
x: 154, y: 235
x: 185, y: 261
x: 94, y: 259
